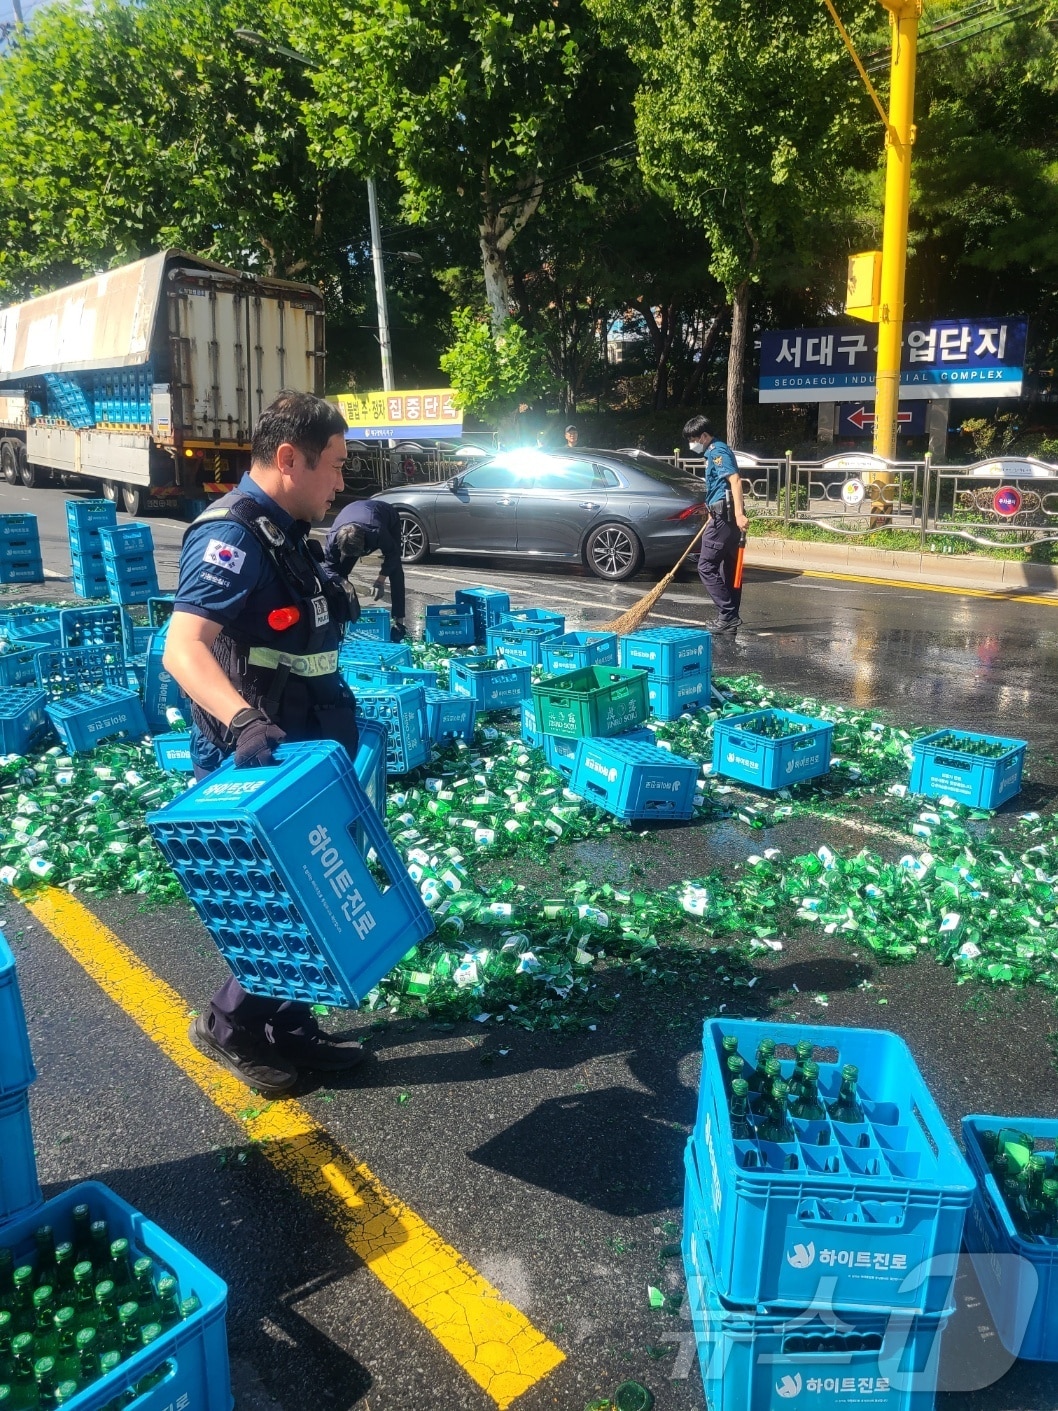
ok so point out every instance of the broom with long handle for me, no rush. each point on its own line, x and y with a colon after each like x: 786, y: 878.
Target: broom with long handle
x: 632, y: 619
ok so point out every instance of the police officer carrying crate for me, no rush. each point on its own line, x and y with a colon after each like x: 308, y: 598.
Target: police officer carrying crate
x: 361, y: 528
x: 253, y: 640
x: 718, y: 555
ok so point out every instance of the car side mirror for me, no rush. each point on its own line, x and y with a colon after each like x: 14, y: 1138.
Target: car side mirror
x: 454, y: 481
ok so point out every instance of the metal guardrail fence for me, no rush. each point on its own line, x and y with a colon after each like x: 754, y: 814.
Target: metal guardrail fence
x: 996, y: 503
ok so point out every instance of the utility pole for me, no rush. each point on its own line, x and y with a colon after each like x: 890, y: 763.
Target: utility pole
x: 384, y: 343
x: 16, y: 5
x: 900, y: 137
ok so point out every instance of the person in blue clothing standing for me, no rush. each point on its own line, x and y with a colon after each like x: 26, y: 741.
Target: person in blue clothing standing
x: 726, y: 525
x: 253, y: 640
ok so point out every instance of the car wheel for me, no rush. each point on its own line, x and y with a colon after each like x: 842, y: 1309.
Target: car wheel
x: 8, y: 463
x: 414, y: 543
x: 613, y: 552
x: 132, y: 496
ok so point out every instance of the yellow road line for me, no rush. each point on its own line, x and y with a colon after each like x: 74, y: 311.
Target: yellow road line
x: 490, y: 1339
x: 919, y: 587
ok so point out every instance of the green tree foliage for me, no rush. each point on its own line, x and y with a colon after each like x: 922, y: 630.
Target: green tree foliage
x: 478, y: 107
x: 126, y: 127
x: 494, y: 373
x: 747, y: 114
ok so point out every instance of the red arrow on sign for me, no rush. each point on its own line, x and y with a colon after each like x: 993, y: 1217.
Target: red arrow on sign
x: 862, y: 418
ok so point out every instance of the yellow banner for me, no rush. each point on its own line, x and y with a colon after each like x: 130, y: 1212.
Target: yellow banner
x: 376, y: 416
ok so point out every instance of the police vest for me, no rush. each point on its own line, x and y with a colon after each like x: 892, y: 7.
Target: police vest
x: 302, y: 692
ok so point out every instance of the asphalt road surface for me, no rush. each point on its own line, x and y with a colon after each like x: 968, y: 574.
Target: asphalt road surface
x: 537, y: 1179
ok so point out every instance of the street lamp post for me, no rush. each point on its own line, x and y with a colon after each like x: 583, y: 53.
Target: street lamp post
x: 259, y: 41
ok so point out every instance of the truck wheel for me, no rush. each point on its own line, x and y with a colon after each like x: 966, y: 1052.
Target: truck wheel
x: 132, y: 495
x: 8, y: 463
x: 30, y: 475
x: 111, y: 489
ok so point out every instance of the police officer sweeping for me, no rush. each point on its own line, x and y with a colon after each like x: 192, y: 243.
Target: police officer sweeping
x: 361, y: 528
x: 718, y: 555
x: 253, y: 640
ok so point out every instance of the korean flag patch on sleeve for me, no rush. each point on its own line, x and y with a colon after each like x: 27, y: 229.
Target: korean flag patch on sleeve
x: 224, y: 555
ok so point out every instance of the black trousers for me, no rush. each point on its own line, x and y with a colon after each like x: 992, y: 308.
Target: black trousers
x: 716, y: 565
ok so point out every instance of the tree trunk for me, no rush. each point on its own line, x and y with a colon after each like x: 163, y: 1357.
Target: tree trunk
x: 736, y: 359
x: 497, y: 278
x: 693, y: 396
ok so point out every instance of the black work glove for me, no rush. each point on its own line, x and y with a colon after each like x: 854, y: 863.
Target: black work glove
x: 256, y: 741
x: 398, y: 632
x: 345, y: 547
x: 378, y: 590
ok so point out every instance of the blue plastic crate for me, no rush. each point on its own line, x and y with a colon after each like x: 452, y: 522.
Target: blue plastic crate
x: 374, y: 624
x: 88, y: 567
x: 366, y: 651
x: 16, y: 1060
x: 32, y: 627
x: 530, y: 734
x: 414, y: 676
x: 634, y: 779
x: 449, y: 624
x: 125, y: 541
x: 402, y: 709
x: 561, y: 752
x: 82, y: 721
x: 448, y: 716
x: 196, y: 1349
x: 768, y: 763
x: 491, y: 687
x: 89, y: 516
x: 138, y: 639
x: 519, y: 646
x: 670, y: 699
x: 831, y: 1360
x: 18, y: 551
x: 173, y: 752
x: 67, y: 671
x: 671, y: 653
x: 129, y: 568
x: 28, y: 569
x: 94, y: 627
x: 159, y: 610
x: 91, y: 588
x: 22, y: 718
x: 86, y: 544
x: 18, y: 668
x: 131, y: 591
x: 853, y: 1209
x: 573, y: 651
x: 1018, y: 1274
x: 161, y: 691
x: 533, y: 617
x: 271, y: 861
x: 967, y: 778
x: 19, y: 1186
x: 487, y: 605
x: 370, y: 762
x: 20, y: 528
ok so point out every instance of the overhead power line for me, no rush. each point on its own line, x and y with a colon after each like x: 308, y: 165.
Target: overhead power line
x: 970, y: 23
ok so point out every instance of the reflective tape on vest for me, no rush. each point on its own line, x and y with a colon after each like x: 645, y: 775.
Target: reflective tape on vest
x: 319, y: 664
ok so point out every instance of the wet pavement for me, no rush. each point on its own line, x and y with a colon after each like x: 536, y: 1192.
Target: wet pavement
x: 553, y: 1164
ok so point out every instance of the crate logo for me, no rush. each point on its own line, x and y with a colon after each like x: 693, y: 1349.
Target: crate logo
x: 610, y: 775
x: 733, y: 758
x: 224, y: 555
x: 789, y: 1387
x: 802, y: 1256
x: 802, y: 763
x: 233, y: 790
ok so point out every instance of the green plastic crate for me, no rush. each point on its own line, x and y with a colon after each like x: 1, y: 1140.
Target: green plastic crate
x: 597, y: 700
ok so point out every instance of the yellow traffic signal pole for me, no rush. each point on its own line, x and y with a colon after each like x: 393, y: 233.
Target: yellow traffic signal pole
x: 899, y: 139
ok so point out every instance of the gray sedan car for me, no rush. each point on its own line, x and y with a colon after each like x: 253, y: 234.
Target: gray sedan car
x: 613, y: 512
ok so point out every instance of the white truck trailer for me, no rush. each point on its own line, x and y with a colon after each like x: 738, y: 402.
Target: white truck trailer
x: 149, y: 379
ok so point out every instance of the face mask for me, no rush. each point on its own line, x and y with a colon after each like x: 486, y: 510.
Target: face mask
x: 697, y: 447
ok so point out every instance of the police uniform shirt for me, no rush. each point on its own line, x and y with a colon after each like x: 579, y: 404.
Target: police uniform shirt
x: 380, y: 522
x: 720, y: 465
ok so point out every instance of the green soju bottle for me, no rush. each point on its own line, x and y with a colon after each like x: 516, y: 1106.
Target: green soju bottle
x: 65, y: 1393
x: 129, y: 1319
x: 44, y: 1239
x: 65, y: 1334
x: 729, y: 1045
x: 143, y: 1282
x: 7, y: 1397
x: 765, y: 1050
x: 99, y: 1245
x: 44, y: 1317
x: 64, y: 1267
x: 44, y: 1376
x: 1031, y: 1183
x: 1013, y: 1197
x: 807, y: 1105
x: 776, y: 1125
x: 1048, y: 1219
x: 22, y: 1355
x: 82, y: 1232
x: 169, y: 1311
x: 733, y: 1071
x: 107, y: 1315
x: 84, y: 1293
x: 149, y: 1333
x: 121, y: 1268
x: 6, y: 1333
x: 190, y: 1306
x: 22, y: 1298
x: 7, y: 1278
x: 87, y: 1356
x: 804, y: 1055
x: 738, y: 1107
x: 846, y: 1106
